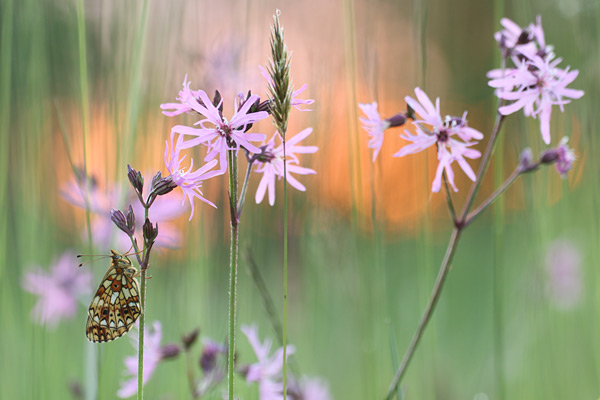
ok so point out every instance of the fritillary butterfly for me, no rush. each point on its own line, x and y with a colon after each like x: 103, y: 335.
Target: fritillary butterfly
x: 116, y: 304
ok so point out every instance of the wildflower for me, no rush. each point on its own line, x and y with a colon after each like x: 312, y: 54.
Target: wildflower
x: 58, y: 289
x: 189, y: 181
x: 270, y: 164
x: 153, y: 354
x: 564, y: 278
x: 309, y: 389
x: 186, y: 98
x: 101, y: 202
x: 563, y: 156
x: 432, y: 129
x: 218, y: 133
x: 517, y: 41
x: 535, y: 86
x: 267, y: 370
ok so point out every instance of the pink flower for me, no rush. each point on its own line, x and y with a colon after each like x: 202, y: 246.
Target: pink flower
x: 104, y: 234
x: 58, y: 289
x: 535, y: 86
x: 309, y: 389
x: 267, y: 370
x: 374, y: 125
x: 189, y: 181
x: 152, y: 356
x: 218, y: 133
x: 186, y: 98
x: 432, y: 129
x: 270, y: 163
x: 296, y: 103
x: 566, y: 157
x: 521, y: 41
x: 564, y: 277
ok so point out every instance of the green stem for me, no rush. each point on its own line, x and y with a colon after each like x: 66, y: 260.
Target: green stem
x: 143, y: 268
x: 233, y: 264
x: 240, y: 203
x: 449, y: 198
x: 459, y: 225
x: 140, y: 395
x: 285, y: 268
x: 485, y: 204
x: 435, y: 295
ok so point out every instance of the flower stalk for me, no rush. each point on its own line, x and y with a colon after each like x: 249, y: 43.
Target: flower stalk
x: 232, y: 163
x: 281, y: 93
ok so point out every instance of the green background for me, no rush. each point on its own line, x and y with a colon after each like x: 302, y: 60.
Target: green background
x: 361, y: 269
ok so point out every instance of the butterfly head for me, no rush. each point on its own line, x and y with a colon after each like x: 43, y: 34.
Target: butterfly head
x: 122, y: 261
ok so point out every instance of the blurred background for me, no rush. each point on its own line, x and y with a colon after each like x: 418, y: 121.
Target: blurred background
x: 81, y: 85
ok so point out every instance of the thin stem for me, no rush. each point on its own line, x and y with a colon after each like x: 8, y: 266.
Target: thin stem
x: 190, y: 375
x: 449, y: 198
x: 233, y: 263
x: 485, y: 204
x: 435, y: 295
x: 244, y: 189
x: 459, y: 225
x: 143, y: 268
x: 266, y: 296
x: 485, y: 161
x: 140, y: 395
x: 285, y: 268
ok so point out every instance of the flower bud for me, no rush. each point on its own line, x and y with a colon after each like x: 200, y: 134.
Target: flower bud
x: 397, y: 120
x: 549, y: 156
x: 210, y: 352
x: 164, y: 186
x: 189, y: 339
x: 155, y: 180
x: 120, y: 221
x: 150, y: 232
x: 136, y: 179
x: 130, y: 217
x: 169, y: 351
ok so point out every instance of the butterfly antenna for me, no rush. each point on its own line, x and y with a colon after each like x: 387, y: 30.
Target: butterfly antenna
x: 99, y: 257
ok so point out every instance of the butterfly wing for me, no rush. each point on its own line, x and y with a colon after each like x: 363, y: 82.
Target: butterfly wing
x: 115, y: 306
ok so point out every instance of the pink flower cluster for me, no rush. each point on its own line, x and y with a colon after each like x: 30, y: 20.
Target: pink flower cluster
x: 221, y: 135
x: 535, y: 84
x: 266, y: 372
x: 58, y: 289
x: 451, y: 136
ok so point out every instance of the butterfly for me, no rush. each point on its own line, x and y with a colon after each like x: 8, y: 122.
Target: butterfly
x: 116, y: 304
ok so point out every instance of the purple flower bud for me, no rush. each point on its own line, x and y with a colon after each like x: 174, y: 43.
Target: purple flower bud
x: 120, y: 221
x: 189, y: 339
x: 549, y: 156
x: 164, y: 186
x: 397, y: 120
x: 210, y: 352
x: 135, y: 178
x: 169, y: 351
x: 130, y: 219
x: 150, y: 232
x: 155, y: 180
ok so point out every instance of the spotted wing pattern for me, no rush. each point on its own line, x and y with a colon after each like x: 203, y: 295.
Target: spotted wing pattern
x: 116, y: 304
